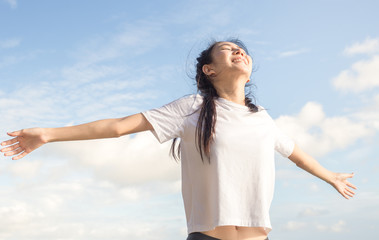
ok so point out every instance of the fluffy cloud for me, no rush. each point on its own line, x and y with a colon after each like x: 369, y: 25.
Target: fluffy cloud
x: 319, y: 134
x: 370, y: 113
x: 362, y: 75
x: 368, y: 46
x: 85, y: 208
x: 90, y: 190
x: 294, y: 225
x: 336, y: 227
x: 25, y: 169
x: 125, y: 161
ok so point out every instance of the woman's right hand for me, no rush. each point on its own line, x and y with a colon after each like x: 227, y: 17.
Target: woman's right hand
x: 23, y: 142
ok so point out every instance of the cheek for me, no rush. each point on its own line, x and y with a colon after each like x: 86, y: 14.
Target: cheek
x: 250, y: 60
x: 220, y: 56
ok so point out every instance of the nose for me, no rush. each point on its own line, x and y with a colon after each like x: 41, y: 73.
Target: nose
x: 239, y: 51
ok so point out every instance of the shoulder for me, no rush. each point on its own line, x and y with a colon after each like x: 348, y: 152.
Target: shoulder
x: 190, y: 100
x: 186, y: 103
x: 264, y: 112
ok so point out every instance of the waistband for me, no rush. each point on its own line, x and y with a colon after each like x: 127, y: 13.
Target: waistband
x: 202, y: 236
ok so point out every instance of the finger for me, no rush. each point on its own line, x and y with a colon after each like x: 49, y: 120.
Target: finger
x: 351, y: 185
x: 344, y: 195
x: 9, y: 142
x: 348, y: 193
x: 347, y: 175
x: 350, y: 175
x: 10, y: 148
x: 14, y: 152
x: 20, y: 156
x: 14, y: 134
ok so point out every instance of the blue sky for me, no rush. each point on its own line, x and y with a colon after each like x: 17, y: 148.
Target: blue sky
x: 70, y: 62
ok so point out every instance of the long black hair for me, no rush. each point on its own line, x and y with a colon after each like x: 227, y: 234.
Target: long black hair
x: 206, y: 123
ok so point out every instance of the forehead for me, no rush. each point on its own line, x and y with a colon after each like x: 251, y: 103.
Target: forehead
x: 220, y: 44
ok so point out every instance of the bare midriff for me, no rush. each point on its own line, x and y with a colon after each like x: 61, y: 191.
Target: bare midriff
x: 237, y: 233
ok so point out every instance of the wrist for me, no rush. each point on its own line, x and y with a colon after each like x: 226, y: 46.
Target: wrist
x: 46, y: 135
x: 331, y: 178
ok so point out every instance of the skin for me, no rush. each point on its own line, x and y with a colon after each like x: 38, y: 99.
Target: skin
x: 229, y: 71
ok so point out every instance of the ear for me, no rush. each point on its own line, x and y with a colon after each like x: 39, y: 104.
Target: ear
x: 208, y: 70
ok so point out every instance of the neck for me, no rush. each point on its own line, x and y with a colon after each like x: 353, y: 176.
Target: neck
x: 232, y: 90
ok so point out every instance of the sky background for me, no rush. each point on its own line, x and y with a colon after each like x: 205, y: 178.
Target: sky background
x: 316, y: 68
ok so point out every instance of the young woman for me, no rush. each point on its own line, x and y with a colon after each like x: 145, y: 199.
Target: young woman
x: 227, y: 147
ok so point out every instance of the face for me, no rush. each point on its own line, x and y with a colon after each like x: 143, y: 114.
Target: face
x: 227, y: 57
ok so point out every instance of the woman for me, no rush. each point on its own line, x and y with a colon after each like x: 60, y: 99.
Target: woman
x: 227, y: 147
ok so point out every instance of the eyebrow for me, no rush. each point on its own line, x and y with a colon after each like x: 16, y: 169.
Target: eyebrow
x: 232, y: 45
x: 228, y: 44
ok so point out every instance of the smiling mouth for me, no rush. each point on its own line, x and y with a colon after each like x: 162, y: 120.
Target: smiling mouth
x: 237, y: 60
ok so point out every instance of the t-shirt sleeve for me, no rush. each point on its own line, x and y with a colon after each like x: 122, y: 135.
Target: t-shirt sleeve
x: 168, y: 120
x: 283, y: 143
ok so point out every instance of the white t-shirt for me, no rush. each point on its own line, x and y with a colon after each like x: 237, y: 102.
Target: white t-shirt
x: 237, y: 187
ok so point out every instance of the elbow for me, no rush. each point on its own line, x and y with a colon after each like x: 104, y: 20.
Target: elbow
x: 300, y: 164
x: 116, y: 131
x: 297, y: 160
x: 116, y: 135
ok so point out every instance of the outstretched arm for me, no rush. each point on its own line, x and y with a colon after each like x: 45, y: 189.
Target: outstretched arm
x: 27, y: 140
x: 337, y: 180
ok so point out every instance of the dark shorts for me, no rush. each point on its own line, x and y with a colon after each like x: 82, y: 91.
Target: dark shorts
x: 201, y: 236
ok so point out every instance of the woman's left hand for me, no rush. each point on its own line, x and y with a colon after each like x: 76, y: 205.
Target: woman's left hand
x: 343, y: 186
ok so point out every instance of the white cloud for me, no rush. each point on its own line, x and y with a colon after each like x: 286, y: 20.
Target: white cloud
x: 56, y: 103
x: 370, y: 113
x: 125, y: 161
x: 294, y: 225
x: 12, y: 3
x: 362, y: 75
x: 336, y: 227
x: 133, y: 40
x: 16, y: 214
x: 314, y: 187
x: 6, y: 61
x: 339, y: 226
x: 10, y: 43
x: 325, y: 214
x: 9, y: 60
x: 313, y: 212
x: 25, y: 169
x: 292, y: 53
x: 84, y: 74
x: 368, y: 46
x: 21, y: 222
x: 319, y: 134
x: 291, y: 174
x: 73, y: 206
